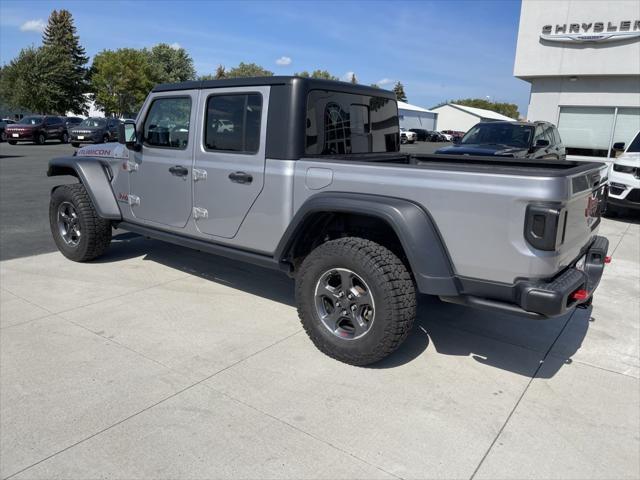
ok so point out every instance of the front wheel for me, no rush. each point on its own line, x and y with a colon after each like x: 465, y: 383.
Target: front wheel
x: 80, y: 234
x: 64, y: 138
x: 75, y: 144
x: 356, y: 300
x: 12, y: 142
x: 40, y: 139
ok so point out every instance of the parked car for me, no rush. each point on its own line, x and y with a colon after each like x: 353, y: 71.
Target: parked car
x: 95, y: 130
x: 71, y: 122
x: 436, y: 136
x: 624, y: 178
x: 37, y: 129
x: 361, y: 226
x: 537, y: 140
x: 422, y: 135
x: 456, y: 135
x: 447, y: 137
x: 407, y: 136
x: 3, y: 123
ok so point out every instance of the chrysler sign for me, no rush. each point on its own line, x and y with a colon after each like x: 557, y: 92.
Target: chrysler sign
x: 591, y: 32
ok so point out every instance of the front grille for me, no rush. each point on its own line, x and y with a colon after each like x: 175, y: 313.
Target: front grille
x: 634, y: 196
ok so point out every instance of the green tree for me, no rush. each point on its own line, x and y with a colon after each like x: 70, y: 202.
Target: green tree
x: 31, y: 80
x: 508, y: 109
x: 248, y: 70
x: 220, y: 72
x: 62, y: 45
x: 322, y: 74
x: 398, y: 88
x: 170, y: 64
x: 121, y: 80
x: 353, y: 80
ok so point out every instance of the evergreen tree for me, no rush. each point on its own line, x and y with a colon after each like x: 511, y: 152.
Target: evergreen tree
x: 171, y: 64
x: 248, y: 70
x: 354, y: 80
x: 398, y: 88
x: 61, y: 45
x: 220, y: 72
x: 322, y: 74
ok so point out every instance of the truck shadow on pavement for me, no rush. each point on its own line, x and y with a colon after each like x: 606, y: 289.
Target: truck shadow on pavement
x: 501, y: 341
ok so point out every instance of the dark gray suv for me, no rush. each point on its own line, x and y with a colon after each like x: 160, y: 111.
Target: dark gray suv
x: 95, y: 130
x: 532, y: 140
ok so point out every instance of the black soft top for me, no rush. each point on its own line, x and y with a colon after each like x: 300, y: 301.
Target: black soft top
x: 291, y: 81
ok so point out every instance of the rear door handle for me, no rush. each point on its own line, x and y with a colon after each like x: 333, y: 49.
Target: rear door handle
x: 179, y: 171
x: 240, y: 177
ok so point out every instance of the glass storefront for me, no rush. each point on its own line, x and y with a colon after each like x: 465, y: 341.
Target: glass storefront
x: 592, y: 131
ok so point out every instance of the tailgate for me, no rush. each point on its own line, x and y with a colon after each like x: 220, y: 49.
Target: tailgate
x: 583, y: 212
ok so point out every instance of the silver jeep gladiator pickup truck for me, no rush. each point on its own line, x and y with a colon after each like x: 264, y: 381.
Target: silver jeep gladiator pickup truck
x: 306, y: 176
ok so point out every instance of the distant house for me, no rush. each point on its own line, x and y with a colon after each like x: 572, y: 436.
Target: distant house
x: 452, y: 116
x: 412, y: 116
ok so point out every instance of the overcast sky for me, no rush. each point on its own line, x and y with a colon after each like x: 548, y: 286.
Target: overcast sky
x: 439, y: 50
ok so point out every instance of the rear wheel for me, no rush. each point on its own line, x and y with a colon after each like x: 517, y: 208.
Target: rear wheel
x: 80, y: 234
x: 356, y: 300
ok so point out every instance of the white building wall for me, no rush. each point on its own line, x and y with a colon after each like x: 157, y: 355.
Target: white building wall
x: 451, y: 118
x: 413, y: 119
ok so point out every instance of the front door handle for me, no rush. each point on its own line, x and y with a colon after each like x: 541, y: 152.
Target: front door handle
x: 179, y: 171
x: 240, y: 177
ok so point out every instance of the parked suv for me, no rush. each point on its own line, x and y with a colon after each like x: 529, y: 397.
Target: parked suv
x: 624, y: 178
x: 3, y: 123
x: 37, y: 129
x: 537, y: 140
x: 407, y: 136
x: 95, y: 130
x: 311, y: 181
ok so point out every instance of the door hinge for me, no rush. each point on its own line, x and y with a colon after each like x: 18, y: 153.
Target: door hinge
x: 131, y: 166
x: 133, y: 200
x: 199, y: 174
x: 199, y: 212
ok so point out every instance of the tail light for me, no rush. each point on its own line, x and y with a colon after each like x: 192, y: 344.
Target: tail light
x: 544, y: 226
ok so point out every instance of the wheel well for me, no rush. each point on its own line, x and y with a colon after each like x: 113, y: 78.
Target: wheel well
x: 56, y: 170
x: 324, y: 226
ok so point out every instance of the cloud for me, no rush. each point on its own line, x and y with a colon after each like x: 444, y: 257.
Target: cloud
x: 384, y: 81
x: 33, y: 26
x: 347, y: 76
x: 283, y: 61
x: 176, y: 46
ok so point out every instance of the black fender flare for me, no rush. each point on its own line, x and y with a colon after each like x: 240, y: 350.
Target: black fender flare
x: 91, y: 173
x: 415, y: 228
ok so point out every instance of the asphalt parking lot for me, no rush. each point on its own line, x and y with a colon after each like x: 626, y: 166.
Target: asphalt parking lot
x: 162, y: 362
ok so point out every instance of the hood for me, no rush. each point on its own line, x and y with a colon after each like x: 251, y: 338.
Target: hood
x: 492, y: 150
x: 629, y: 159
x: 104, y: 150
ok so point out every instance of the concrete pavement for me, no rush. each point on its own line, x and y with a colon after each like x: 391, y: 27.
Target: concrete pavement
x: 161, y: 362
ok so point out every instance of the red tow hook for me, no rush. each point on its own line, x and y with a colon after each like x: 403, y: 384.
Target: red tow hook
x: 607, y: 259
x: 581, y: 294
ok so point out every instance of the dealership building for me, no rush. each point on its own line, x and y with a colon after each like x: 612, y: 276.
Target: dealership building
x: 412, y: 116
x: 582, y: 59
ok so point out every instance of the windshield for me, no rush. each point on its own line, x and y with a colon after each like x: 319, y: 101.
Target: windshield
x: 499, y: 134
x: 635, y: 144
x: 93, y: 122
x: 31, y: 121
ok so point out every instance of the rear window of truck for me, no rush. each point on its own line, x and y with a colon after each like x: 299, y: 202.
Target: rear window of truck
x: 344, y: 123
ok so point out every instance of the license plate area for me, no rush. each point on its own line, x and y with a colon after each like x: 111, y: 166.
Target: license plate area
x: 80, y: 137
x: 15, y: 135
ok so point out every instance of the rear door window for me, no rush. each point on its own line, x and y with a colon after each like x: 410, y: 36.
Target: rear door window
x: 232, y: 123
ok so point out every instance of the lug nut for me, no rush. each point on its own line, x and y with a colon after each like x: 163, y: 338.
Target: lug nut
x: 344, y: 312
x: 353, y: 308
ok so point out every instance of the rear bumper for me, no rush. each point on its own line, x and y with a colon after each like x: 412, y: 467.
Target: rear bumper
x: 545, y: 299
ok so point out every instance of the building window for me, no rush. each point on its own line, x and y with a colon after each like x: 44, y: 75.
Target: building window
x: 592, y: 131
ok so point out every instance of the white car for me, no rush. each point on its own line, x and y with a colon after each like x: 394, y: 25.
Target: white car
x: 407, y: 136
x: 624, y: 178
x: 448, y: 137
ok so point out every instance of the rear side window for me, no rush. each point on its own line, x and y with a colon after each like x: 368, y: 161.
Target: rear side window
x: 344, y: 123
x: 233, y: 123
x: 167, y: 123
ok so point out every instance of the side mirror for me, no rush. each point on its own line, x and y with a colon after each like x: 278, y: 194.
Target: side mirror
x: 541, y: 143
x: 618, y: 147
x: 128, y: 136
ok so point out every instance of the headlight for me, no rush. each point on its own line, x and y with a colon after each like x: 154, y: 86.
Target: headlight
x: 624, y: 168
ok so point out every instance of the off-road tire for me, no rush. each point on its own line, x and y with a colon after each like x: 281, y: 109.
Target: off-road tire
x: 95, y: 231
x: 75, y: 144
x: 391, y: 286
